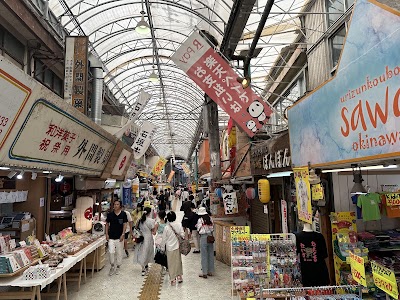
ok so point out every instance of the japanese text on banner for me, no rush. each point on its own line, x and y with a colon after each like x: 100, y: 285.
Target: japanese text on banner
x: 217, y: 79
x: 240, y: 233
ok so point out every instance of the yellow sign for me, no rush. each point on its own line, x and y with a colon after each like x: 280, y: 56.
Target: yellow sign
x: 303, y: 194
x: 159, y: 166
x: 240, y: 233
x: 317, y: 192
x: 358, y: 269
x: 392, y: 199
x: 384, y: 279
x: 186, y: 169
x: 260, y: 237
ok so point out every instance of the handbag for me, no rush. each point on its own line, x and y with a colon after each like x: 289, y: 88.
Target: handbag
x: 210, y: 239
x: 161, y: 258
x: 184, y: 244
x: 137, y: 234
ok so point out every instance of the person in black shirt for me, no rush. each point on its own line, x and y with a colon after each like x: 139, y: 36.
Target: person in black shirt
x: 162, y: 203
x: 116, y: 223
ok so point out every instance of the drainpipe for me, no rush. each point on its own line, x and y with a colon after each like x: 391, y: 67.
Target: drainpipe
x: 97, y: 95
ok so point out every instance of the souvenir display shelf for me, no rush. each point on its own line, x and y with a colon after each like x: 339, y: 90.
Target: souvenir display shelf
x: 261, y: 261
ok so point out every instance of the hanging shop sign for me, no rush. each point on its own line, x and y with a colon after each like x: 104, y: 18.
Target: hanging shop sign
x: 186, y: 168
x: 137, y: 109
x: 159, y: 166
x: 170, y: 176
x: 385, y: 279
x: 217, y: 79
x: 271, y: 156
x: 127, y: 194
x: 143, y: 139
x: 303, y: 194
x: 50, y: 135
x: 355, y: 116
x: 76, y: 71
x: 230, y: 203
x: 317, y: 192
x: 122, y: 163
x: 358, y: 269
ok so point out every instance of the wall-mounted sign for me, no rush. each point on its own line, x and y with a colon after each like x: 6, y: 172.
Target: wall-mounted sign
x: 52, y: 136
x: 13, y: 95
x: 284, y: 216
x: 271, y: 156
x: 356, y: 115
x: 122, y: 162
x: 76, y: 71
x: 230, y: 203
x: 7, y: 183
x: 143, y: 139
x: 217, y: 79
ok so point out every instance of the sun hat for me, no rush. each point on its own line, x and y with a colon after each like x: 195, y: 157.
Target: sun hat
x: 202, y: 211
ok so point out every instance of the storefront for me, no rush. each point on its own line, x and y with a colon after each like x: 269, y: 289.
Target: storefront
x: 271, y: 159
x: 348, y: 127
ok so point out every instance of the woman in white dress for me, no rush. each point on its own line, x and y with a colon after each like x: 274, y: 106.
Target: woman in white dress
x: 145, y: 250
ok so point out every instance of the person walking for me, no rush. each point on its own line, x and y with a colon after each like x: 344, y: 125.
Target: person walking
x: 189, y: 223
x: 162, y: 203
x: 171, y: 243
x: 136, y: 215
x: 205, y: 227
x: 116, y: 224
x: 128, y: 230
x: 145, y: 250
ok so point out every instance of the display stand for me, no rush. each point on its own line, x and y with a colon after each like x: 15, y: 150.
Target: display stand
x: 261, y: 261
x: 314, y: 293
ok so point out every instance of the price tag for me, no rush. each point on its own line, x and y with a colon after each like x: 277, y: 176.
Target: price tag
x: 392, y: 199
x: 260, y: 237
x: 240, y: 233
x: 384, y: 279
x: 358, y: 269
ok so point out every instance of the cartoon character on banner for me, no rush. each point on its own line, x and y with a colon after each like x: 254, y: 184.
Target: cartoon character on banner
x: 256, y: 110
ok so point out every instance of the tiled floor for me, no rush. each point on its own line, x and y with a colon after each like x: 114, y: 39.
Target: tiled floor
x: 128, y: 284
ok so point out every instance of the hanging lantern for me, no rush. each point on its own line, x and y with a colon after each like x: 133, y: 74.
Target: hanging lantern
x: 251, y: 193
x: 84, y: 214
x: 218, y: 192
x: 264, y: 191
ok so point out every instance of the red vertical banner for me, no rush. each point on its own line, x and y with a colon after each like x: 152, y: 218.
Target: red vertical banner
x: 218, y: 80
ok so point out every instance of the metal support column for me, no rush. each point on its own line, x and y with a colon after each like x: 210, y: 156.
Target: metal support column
x: 215, y: 159
x: 196, y: 168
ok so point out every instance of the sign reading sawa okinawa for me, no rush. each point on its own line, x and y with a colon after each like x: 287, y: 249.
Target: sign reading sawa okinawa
x: 356, y: 115
x: 217, y: 79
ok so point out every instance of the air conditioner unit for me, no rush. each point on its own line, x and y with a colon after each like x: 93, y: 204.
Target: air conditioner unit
x: 99, y: 228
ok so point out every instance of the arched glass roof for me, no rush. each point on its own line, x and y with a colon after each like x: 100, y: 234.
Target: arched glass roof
x: 129, y: 58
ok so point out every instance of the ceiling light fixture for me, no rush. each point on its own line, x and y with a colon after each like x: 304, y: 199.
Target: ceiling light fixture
x: 20, y: 175
x: 59, y: 178
x: 4, y: 168
x: 34, y: 176
x: 142, y: 27
x: 153, y: 76
x: 357, y: 188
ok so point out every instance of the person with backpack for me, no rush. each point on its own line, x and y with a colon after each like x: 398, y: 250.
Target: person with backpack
x: 171, y: 243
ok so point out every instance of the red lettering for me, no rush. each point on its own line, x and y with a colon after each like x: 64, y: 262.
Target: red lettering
x: 360, y: 117
x: 396, y: 108
x: 346, y: 131
x: 378, y: 111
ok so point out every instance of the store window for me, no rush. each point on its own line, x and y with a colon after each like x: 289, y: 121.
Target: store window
x: 12, y: 47
x: 48, y: 77
x: 336, y: 42
x: 291, y: 95
x: 336, y: 8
